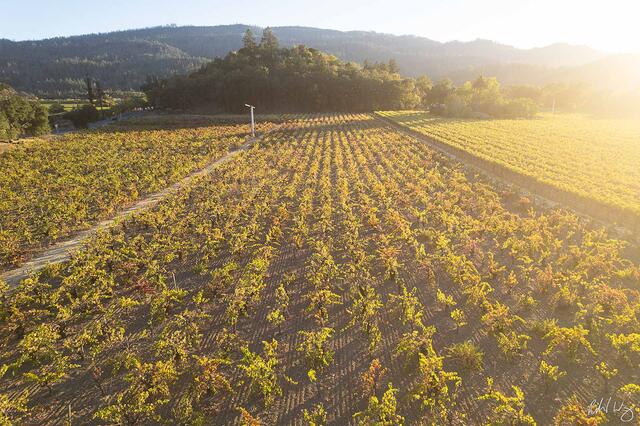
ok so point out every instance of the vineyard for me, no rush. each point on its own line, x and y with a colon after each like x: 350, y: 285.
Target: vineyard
x: 50, y: 188
x: 594, y: 158
x: 338, y: 272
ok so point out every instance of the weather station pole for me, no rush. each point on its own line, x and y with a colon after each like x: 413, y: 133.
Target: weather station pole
x: 253, y: 123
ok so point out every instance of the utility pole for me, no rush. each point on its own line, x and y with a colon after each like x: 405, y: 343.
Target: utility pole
x: 253, y: 124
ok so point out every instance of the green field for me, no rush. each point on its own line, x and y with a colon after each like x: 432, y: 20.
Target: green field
x: 595, y: 158
x: 69, y: 104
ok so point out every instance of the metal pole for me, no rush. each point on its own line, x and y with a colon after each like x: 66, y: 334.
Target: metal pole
x: 253, y: 124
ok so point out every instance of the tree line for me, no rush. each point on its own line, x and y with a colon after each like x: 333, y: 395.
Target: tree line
x: 284, y: 79
x: 303, y: 79
x: 56, y: 68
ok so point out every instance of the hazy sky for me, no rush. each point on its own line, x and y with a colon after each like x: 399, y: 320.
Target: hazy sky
x: 608, y: 25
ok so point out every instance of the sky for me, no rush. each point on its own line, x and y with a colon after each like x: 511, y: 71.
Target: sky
x: 605, y: 25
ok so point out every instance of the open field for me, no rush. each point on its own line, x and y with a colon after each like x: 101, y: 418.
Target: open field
x: 69, y: 104
x: 594, y: 158
x: 333, y: 260
x: 51, y: 187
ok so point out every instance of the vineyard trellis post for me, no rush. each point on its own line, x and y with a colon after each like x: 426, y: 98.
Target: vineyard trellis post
x: 253, y: 124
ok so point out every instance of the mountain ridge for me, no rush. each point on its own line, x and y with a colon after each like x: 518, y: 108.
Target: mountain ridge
x: 123, y: 59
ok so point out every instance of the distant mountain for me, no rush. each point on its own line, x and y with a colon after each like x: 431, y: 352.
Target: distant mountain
x: 123, y: 59
x: 614, y: 73
x: 621, y: 72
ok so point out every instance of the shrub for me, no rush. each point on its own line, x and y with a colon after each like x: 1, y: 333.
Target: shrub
x: 56, y: 108
x: 381, y: 412
x: 506, y: 409
x: 83, y: 116
x: 467, y: 354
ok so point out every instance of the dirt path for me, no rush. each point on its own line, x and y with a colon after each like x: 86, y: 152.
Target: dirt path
x: 63, y: 250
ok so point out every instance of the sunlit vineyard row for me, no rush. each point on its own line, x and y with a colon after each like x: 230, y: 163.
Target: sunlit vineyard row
x: 338, y: 272
x: 51, y: 187
x: 593, y: 157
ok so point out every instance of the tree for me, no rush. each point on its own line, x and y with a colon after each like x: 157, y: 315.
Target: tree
x: 38, y: 123
x: 441, y: 91
x: 6, y: 132
x: 249, y: 41
x: 423, y: 86
x: 20, y: 115
x: 480, y: 83
x: 269, y: 41
x: 297, y: 79
x: 479, y: 98
x: 90, y: 93
x: 56, y: 108
x: 83, y: 116
x: 393, y: 66
x: 100, y: 96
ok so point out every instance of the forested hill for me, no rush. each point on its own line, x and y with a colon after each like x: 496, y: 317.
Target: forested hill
x: 287, y: 79
x: 122, y: 60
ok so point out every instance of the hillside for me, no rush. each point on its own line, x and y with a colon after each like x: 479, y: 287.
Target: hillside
x: 122, y: 60
x: 285, y: 79
x: 615, y: 72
